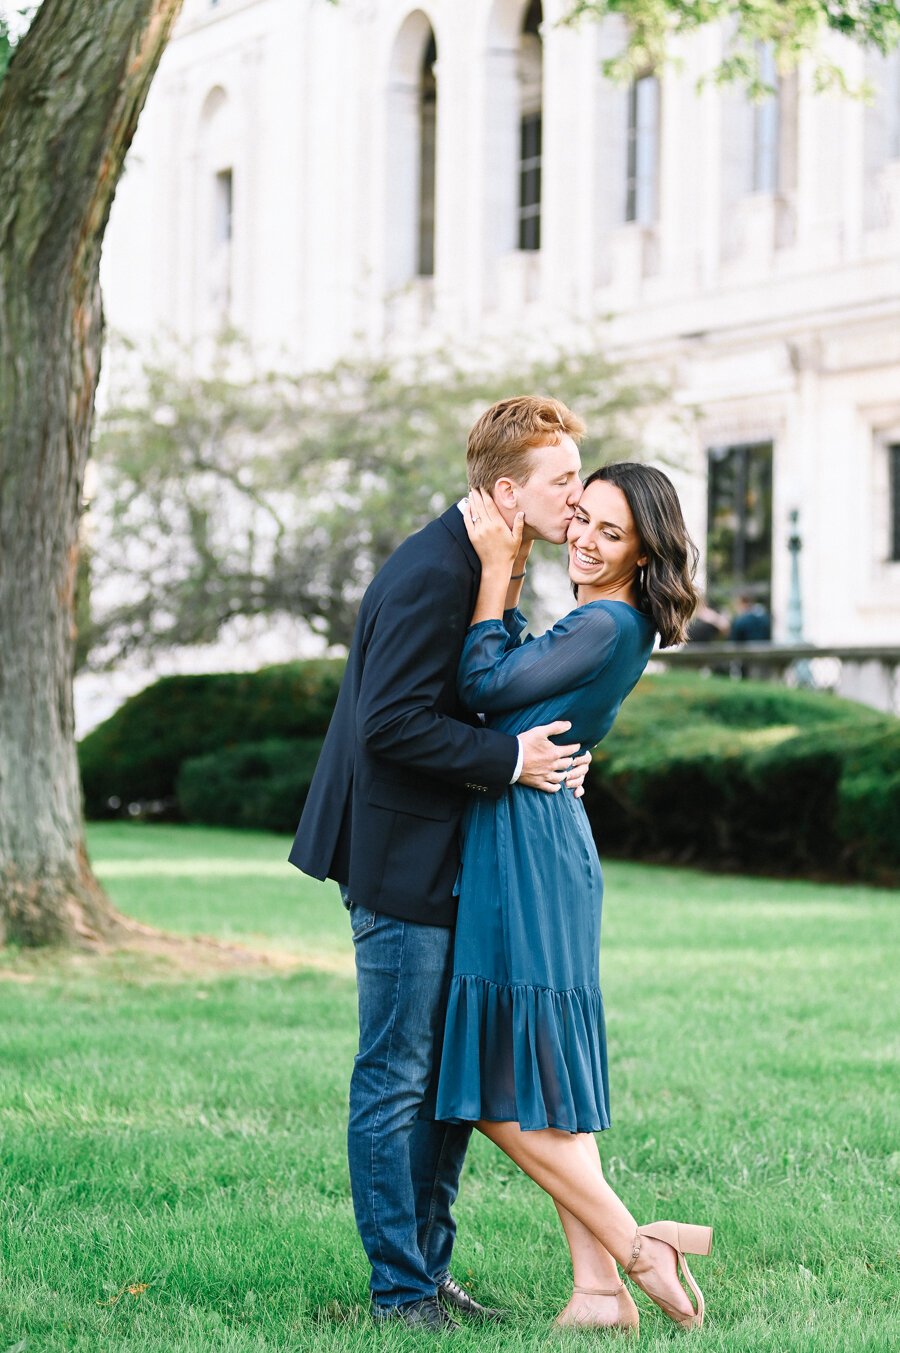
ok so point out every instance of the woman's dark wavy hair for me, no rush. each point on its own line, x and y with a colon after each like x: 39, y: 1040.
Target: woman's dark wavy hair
x: 666, y: 588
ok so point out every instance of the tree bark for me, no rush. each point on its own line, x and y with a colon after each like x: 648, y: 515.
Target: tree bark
x: 69, y: 105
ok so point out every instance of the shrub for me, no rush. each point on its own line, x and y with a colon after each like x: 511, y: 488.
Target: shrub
x: 743, y: 775
x: 256, y: 784
x: 688, y: 774
x: 136, y: 754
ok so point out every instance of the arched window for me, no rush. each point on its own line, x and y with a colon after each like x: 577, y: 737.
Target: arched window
x: 765, y: 150
x: 427, y: 159
x: 641, y: 185
x: 759, y: 162
x: 411, y: 153
x: 531, y: 104
x: 216, y: 187
x: 882, y: 139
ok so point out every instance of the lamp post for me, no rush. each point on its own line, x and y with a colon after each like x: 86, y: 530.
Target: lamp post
x: 795, y: 603
x: 802, y: 669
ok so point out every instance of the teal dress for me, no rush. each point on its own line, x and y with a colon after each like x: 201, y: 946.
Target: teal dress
x: 524, y: 1039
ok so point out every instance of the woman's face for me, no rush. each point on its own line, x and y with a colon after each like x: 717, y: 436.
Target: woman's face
x: 604, y: 547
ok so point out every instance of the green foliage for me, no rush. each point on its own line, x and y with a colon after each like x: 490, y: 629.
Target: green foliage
x: 792, y: 28
x: 10, y: 32
x: 135, y: 756
x: 869, y: 816
x: 749, y: 776
x: 743, y: 775
x: 5, y: 47
x: 260, y: 785
x: 242, y: 493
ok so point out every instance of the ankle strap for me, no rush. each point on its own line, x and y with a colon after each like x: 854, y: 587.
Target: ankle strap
x: 635, y: 1251
x: 598, y: 1291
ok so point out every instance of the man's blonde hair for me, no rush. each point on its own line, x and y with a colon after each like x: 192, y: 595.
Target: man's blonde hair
x: 502, y: 439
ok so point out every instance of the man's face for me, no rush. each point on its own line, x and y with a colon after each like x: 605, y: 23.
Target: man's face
x: 548, y: 498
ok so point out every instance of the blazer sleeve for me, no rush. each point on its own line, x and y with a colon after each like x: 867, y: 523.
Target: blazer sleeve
x: 410, y: 655
x: 495, y: 676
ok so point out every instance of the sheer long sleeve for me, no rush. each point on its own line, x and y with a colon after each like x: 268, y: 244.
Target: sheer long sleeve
x: 497, y: 674
x: 514, y: 623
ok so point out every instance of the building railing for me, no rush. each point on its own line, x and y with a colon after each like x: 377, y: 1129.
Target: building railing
x: 867, y: 673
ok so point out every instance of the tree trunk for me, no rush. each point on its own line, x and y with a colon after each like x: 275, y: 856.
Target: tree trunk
x: 69, y: 105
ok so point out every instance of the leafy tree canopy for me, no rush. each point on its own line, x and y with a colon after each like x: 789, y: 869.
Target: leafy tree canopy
x: 10, y: 29
x: 793, y: 28
x: 241, y: 493
x: 5, y: 46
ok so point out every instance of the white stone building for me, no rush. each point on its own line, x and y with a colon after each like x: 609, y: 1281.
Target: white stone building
x: 377, y: 173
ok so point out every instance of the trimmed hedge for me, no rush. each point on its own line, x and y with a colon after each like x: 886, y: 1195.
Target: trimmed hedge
x: 685, y: 775
x: 257, y: 784
x: 741, y: 775
x: 135, y: 756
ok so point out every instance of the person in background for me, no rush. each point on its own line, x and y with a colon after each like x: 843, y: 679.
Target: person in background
x: 707, y: 626
x: 752, y: 624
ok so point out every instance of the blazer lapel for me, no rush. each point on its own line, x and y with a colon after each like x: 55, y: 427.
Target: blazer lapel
x: 454, y: 523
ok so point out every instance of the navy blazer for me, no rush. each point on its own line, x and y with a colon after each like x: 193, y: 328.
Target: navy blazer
x: 402, y: 755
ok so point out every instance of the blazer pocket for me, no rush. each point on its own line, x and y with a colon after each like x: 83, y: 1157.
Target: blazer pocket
x: 417, y: 802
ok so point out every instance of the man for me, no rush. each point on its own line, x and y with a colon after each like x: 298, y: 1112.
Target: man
x: 706, y: 625
x: 752, y: 624
x: 382, y: 817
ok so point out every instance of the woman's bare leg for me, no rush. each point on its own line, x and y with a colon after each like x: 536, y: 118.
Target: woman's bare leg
x: 592, y: 1263
x: 568, y: 1168
x: 594, y: 1268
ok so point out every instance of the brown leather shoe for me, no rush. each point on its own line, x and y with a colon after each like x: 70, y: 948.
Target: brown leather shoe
x: 458, y: 1299
x: 427, y: 1314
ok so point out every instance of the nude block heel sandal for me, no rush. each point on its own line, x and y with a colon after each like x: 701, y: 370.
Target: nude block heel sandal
x: 684, y: 1239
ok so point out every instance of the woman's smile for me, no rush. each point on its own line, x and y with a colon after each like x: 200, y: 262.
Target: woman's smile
x: 583, y: 560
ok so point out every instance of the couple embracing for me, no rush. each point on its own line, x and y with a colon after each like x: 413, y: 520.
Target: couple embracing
x: 447, y: 805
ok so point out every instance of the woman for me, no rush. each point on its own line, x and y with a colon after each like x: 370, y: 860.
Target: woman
x: 524, y: 1054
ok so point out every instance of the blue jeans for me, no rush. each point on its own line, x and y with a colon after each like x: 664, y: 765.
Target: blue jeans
x: 404, y: 1170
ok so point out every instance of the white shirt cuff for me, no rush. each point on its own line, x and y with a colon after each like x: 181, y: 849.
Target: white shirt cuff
x: 519, y: 759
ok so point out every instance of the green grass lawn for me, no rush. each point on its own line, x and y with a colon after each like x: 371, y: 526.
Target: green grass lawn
x: 172, y: 1143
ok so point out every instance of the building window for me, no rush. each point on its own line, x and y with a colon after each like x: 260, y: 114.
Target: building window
x: 893, y: 107
x: 530, y: 182
x: 881, y: 140
x: 643, y: 150
x: 739, y: 524
x: 224, y: 206
x: 894, y: 491
x: 766, y: 126
x: 427, y: 159
x: 220, y: 262
x: 410, y: 162
x: 531, y: 60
